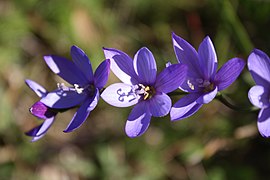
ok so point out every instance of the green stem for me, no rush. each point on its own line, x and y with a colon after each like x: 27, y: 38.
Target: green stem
x: 232, y: 106
x: 224, y: 100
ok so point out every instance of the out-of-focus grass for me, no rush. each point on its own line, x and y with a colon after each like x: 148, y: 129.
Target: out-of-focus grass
x: 216, y: 143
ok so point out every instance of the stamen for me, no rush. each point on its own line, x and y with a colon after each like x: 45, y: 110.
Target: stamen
x: 204, y: 85
x: 190, y: 85
x: 146, y: 91
x: 78, y: 89
x: 62, y: 86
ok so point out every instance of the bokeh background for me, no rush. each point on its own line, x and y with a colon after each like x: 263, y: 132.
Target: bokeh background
x: 216, y: 143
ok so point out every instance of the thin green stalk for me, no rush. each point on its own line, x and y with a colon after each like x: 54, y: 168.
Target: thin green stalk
x: 224, y: 100
x: 232, y: 106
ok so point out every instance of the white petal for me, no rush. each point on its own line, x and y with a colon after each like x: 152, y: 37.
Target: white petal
x: 120, y: 95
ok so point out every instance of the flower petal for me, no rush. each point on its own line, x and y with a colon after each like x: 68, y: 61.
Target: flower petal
x: 121, y: 65
x: 34, y: 139
x: 82, y: 113
x: 186, y: 54
x: 33, y: 131
x: 145, y: 66
x: 264, y: 122
x: 160, y: 105
x: 228, y: 73
x: 120, y: 95
x: 45, y: 126
x: 38, y: 89
x: 259, y: 96
x: 66, y: 69
x: 259, y: 67
x: 61, y: 99
x: 40, y: 130
x: 102, y: 74
x: 82, y: 62
x: 138, y: 120
x: 207, y: 97
x: 185, y: 107
x: 207, y: 58
x: 41, y: 111
x: 171, y: 78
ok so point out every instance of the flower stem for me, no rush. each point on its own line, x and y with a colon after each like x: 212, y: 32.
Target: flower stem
x: 232, y: 106
x: 224, y: 100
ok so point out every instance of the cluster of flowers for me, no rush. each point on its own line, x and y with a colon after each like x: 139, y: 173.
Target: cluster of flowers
x: 195, y: 73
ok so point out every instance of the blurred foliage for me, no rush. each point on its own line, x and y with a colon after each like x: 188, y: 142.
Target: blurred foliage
x: 216, y: 143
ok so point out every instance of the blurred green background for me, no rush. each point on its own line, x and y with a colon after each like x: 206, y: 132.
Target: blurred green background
x: 216, y: 143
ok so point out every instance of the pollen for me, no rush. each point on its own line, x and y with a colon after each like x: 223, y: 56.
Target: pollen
x: 62, y: 86
x: 149, y: 91
x: 78, y: 89
x: 145, y: 91
x: 190, y: 85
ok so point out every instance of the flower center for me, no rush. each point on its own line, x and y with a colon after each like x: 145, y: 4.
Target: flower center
x: 209, y: 88
x: 89, y: 89
x: 205, y: 85
x: 146, y: 91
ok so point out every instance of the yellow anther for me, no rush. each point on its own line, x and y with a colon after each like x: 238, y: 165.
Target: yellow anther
x: 147, y: 88
x: 146, y: 95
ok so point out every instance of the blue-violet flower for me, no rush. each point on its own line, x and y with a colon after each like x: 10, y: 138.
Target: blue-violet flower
x: 259, y: 95
x: 41, y: 111
x: 85, y: 88
x: 203, y: 82
x: 141, y: 86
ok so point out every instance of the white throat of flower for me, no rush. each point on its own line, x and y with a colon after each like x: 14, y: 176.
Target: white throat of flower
x: 145, y: 91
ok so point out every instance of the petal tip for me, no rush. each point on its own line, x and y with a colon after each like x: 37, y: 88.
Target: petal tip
x: 208, y: 40
x: 67, y: 131
x: 27, y: 81
x: 73, y: 47
x: 72, y: 128
x: 145, y: 48
x: 132, y: 135
x: 105, y: 49
x: 75, y: 50
x: 256, y: 51
x: 173, y: 116
x: 49, y: 59
x: 173, y: 35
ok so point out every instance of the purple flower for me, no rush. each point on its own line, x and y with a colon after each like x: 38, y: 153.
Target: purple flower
x: 41, y: 111
x: 259, y: 67
x: 85, y: 85
x: 203, y: 82
x: 141, y: 86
